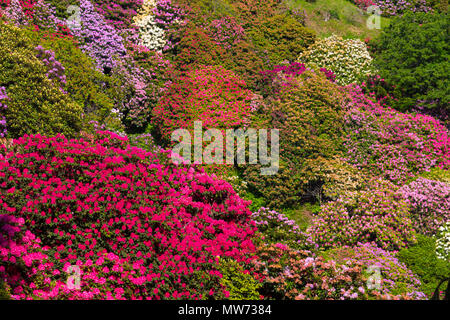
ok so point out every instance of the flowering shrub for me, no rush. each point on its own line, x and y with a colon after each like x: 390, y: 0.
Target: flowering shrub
x: 152, y: 35
x: 3, y: 106
x: 212, y: 95
x: 390, y: 144
x: 226, y: 31
x: 396, y: 280
x: 137, y: 226
x: 398, y: 7
x: 443, y: 242
x: 282, y: 37
x: 278, y: 228
x: 280, y: 75
x: 300, y: 275
x: 36, y: 104
x: 378, y: 214
x: 15, y: 13
x: 99, y: 39
x: 348, y: 59
x: 55, y: 70
x: 118, y: 13
x: 85, y: 84
x: 309, y: 114
x: 430, y: 204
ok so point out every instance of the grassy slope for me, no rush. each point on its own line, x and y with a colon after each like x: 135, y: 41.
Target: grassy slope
x: 347, y: 20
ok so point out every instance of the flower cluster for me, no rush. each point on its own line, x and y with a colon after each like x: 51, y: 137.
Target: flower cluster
x: 430, y: 204
x: 226, y: 31
x: 118, y: 13
x: 443, y: 242
x: 15, y: 13
x: 152, y: 35
x: 398, y: 7
x: 137, y: 226
x: 348, y: 59
x: 278, y: 228
x: 99, y: 39
x: 378, y: 215
x: 391, y: 144
x: 394, y: 278
x: 3, y: 106
x: 55, y: 70
x: 211, y: 94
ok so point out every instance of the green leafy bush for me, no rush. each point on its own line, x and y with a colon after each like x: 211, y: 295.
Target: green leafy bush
x: 36, y: 104
x: 413, y: 55
x: 309, y: 115
x: 87, y: 86
x: 239, y: 283
x: 283, y: 37
x: 421, y: 259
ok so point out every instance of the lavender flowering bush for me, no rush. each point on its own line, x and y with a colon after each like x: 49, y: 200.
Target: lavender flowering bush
x: 3, y: 106
x: 99, y: 39
x: 430, y: 204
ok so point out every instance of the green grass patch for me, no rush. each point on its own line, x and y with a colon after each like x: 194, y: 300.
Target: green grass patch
x: 340, y: 17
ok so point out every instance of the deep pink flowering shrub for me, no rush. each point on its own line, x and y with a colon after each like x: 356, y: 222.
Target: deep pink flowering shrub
x: 390, y: 144
x: 99, y: 39
x: 395, y: 281
x: 210, y: 94
x: 378, y: 214
x: 363, y: 4
x: 118, y: 13
x: 430, y: 204
x: 3, y: 106
x: 168, y: 14
x: 281, y: 75
x: 137, y: 226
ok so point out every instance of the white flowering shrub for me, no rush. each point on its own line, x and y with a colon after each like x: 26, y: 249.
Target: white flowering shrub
x: 152, y: 36
x: 348, y: 59
x: 443, y: 242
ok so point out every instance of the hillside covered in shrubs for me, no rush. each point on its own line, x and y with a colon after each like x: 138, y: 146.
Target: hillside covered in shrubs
x: 93, y: 205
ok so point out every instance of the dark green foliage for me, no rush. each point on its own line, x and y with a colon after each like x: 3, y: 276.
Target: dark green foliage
x: 421, y: 259
x: 283, y: 37
x: 413, y: 55
x: 36, y: 104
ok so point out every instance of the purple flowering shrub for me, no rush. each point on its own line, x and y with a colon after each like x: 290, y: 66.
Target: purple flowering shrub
x: 398, y: 7
x: 430, y: 204
x: 99, y: 39
x: 377, y: 214
x: 55, y: 70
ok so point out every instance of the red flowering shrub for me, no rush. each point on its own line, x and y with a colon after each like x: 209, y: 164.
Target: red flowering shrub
x: 210, y: 94
x: 137, y: 226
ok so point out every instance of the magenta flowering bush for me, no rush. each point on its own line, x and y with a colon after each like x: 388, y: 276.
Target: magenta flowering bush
x: 211, y: 94
x: 378, y: 214
x: 430, y: 204
x: 118, y: 13
x: 137, y: 226
x: 390, y: 144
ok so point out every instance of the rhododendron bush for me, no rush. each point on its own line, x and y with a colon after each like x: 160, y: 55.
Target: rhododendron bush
x: 137, y: 226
